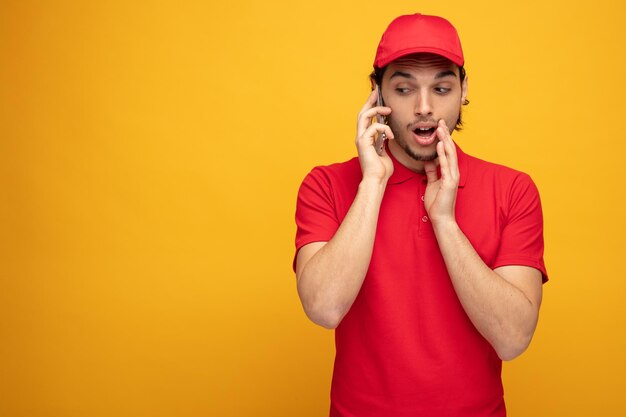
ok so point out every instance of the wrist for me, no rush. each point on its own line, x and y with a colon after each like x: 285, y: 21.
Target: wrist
x: 446, y: 224
x: 373, y: 182
x: 374, y: 187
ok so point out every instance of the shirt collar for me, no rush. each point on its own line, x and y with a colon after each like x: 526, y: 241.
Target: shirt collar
x: 402, y: 173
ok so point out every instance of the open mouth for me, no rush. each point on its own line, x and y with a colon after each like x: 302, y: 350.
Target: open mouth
x: 425, y: 135
x: 424, y: 132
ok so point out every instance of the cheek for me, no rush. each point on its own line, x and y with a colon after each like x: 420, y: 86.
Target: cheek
x: 453, y: 118
x: 397, y: 119
x: 400, y: 110
x: 451, y: 106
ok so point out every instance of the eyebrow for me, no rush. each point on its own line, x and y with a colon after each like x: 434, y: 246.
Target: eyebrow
x: 442, y: 74
x: 401, y: 74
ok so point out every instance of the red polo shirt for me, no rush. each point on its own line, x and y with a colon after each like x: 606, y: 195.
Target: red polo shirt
x: 407, y: 347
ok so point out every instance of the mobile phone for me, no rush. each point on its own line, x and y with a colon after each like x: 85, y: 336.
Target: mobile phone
x: 379, y: 143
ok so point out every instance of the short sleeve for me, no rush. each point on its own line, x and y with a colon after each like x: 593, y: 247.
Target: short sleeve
x: 522, y: 236
x: 316, y: 215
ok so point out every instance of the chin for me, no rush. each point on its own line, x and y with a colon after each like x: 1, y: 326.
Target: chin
x: 430, y: 157
x: 424, y: 158
x: 422, y: 154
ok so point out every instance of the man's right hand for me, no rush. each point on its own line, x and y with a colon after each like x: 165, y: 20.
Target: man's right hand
x: 330, y: 274
x: 373, y: 166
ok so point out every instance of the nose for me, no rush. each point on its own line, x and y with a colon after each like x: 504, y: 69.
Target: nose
x: 423, y: 105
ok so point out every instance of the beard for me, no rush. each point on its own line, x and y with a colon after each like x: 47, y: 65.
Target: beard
x: 398, y: 133
x: 418, y: 157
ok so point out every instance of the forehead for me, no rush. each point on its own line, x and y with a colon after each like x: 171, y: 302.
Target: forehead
x: 421, y: 65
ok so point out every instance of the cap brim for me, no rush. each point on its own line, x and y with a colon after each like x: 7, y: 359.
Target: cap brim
x: 404, y: 52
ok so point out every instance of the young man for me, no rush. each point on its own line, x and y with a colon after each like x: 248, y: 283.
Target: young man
x: 427, y: 261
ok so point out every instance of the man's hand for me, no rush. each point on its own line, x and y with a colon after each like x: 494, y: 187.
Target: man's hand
x: 440, y: 196
x: 330, y: 274
x: 503, y: 304
x: 373, y: 166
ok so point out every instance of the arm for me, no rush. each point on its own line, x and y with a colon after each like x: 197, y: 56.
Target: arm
x: 329, y: 274
x: 503, y: 304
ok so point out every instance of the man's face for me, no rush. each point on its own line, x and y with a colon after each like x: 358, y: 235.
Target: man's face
x: 421, y: 89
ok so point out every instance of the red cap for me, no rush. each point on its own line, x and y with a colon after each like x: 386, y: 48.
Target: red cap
x: 415, y: 33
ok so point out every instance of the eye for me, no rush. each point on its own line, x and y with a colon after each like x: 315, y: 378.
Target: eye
x: 402, y: 90
x: 442, y: 90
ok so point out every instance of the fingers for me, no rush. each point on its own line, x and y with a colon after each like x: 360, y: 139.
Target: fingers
x: 367, y: 138
x: 443, y: 161
x: 371, y: 101
x: 451, y: 151
x: 368, y: 130
x: 368, y: 111
x: 431, y: 171
x: 446, y: 150
x: 365, y: 118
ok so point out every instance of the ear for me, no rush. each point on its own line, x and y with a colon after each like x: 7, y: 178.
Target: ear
x: 464, y: 90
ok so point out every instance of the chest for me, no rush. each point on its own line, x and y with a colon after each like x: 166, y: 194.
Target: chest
x: 404, y: 222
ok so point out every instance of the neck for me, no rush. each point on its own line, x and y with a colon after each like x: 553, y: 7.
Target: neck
x: 403, y: 158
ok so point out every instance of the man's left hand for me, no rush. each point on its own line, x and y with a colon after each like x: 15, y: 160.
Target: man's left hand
x: 440, y: 196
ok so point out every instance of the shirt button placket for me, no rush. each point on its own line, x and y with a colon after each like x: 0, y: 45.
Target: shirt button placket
x: 424, y: 227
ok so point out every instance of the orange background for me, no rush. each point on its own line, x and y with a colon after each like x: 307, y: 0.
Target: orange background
x: 150, y: 155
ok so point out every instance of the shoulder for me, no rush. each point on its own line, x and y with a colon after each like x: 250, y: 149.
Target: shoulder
x: 330, y: 188
x: 323, y: 199
x: 481, y: 172
x: 339, y: 175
